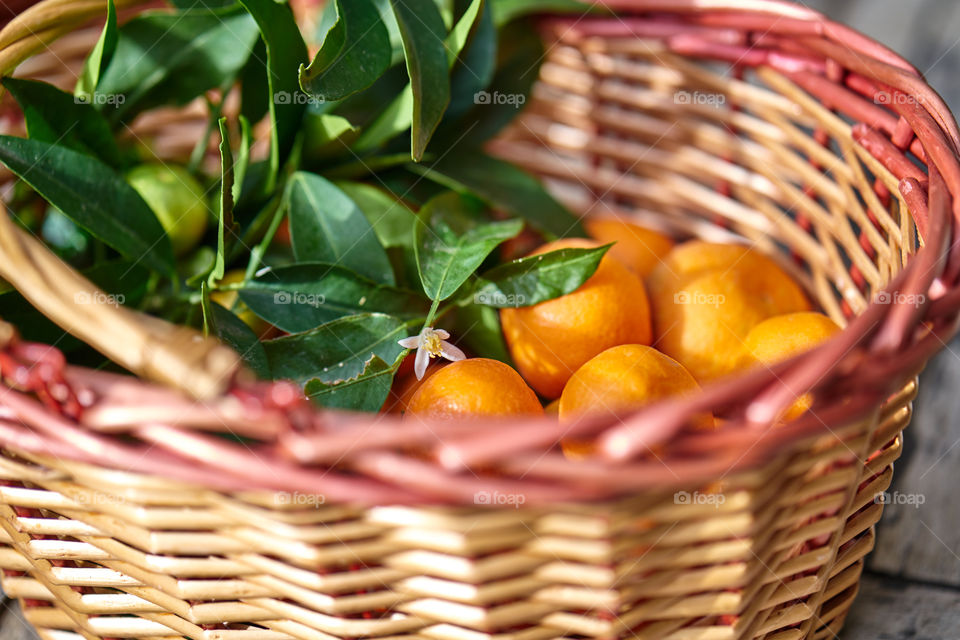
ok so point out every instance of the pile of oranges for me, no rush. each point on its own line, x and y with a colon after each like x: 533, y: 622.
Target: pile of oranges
x: 655, y: 320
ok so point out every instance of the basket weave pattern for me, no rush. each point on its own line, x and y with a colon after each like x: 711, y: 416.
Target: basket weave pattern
x: 329, y: 526
x: 110, y: 554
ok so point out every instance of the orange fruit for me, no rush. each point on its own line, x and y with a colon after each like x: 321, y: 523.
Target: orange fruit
x: 638, y: 248
x: 791, y: 334
x: 625, y: 377
x: 405, y: 386
x: 471, y: 388
x: 551, y: 340
x: 707, y: 297
x: 783, y: 337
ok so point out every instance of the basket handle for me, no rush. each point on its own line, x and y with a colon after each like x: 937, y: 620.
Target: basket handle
x: 149, y: 347
x: 154, y: 349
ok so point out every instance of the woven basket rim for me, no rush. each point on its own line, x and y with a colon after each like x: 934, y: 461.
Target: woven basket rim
x: 881, y: 348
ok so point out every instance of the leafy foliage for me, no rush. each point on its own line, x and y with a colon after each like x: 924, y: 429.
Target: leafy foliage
x: 532, y: 280
x: 326, y: 234
x: 164, y: 58
x: 327, y: 226
x: 59, y: 118
x: 100, y: 57
x: 451, y: 243
x: 422, y: 31
x: 355, y: 52
x: 93, y: 195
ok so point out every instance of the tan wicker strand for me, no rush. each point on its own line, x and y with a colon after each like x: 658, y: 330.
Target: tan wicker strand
x: 149, y: 347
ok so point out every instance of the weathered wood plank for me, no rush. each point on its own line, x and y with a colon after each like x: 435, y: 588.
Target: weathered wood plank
x: 12, y: 624
x: 889, y: 609
x: 922, y: 542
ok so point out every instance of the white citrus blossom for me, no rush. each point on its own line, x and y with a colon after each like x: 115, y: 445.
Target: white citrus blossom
x: 431, y: 343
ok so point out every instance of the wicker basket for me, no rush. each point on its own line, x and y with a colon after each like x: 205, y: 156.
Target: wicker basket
x: 123, y: 513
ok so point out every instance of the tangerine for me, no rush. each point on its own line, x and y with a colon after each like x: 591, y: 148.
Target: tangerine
x: 782, y: 337
x: 706, y: 298
x: 625, y: 377
x: 471, y: 388
x: 638, y: 248
x: 550, y: 340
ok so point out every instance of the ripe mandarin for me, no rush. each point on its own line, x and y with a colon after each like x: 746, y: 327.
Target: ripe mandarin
x: 638, y: 248
x: 473, y: 387
x: 406, y: 385
x: 551, y: 340
x: 625, y: 377
x: 707, y: 297
x: 782, y: 337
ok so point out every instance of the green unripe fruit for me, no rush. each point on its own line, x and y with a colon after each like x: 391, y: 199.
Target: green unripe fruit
x: 176, y: 198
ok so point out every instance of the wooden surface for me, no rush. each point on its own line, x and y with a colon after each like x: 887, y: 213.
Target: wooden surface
x: 912, y: 587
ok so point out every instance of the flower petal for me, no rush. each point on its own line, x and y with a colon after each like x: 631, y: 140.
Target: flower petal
x: 410, y: 343
x: 440, y: 332
x: 421, y: 362
x: 451, y: 352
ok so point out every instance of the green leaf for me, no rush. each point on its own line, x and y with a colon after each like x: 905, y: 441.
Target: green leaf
x: 255, y: 95
x: 390, y: 22
x: 514, y: 74
x: 286, y: 52
x: 505, y: 186
x: 326, y: 226
x: 59, y: 118
x: 301, y: 297
x: 365, y: 392
x: 94, y: 196
x: 477, y: 62
x: 508, y: 10
x: 529, y: 281
x: 423, y: 32
x: 338, y: 352
x: 196, y: 266
x: 457, y: 39
x: 243, y: 162
x: 450, y: 243
x: 409, y: 186
x: 394, y: 119
x: 477, y: 328
x: 397, y: 117
x: 99, y: 58
x: 234, y: 332
x: 391, y: 220
x: 445, y: 7
x: 225, y: 212
x: 165, y: 58
x: 324, y: 128
x: 355, y: 52
x: 328, y: 18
